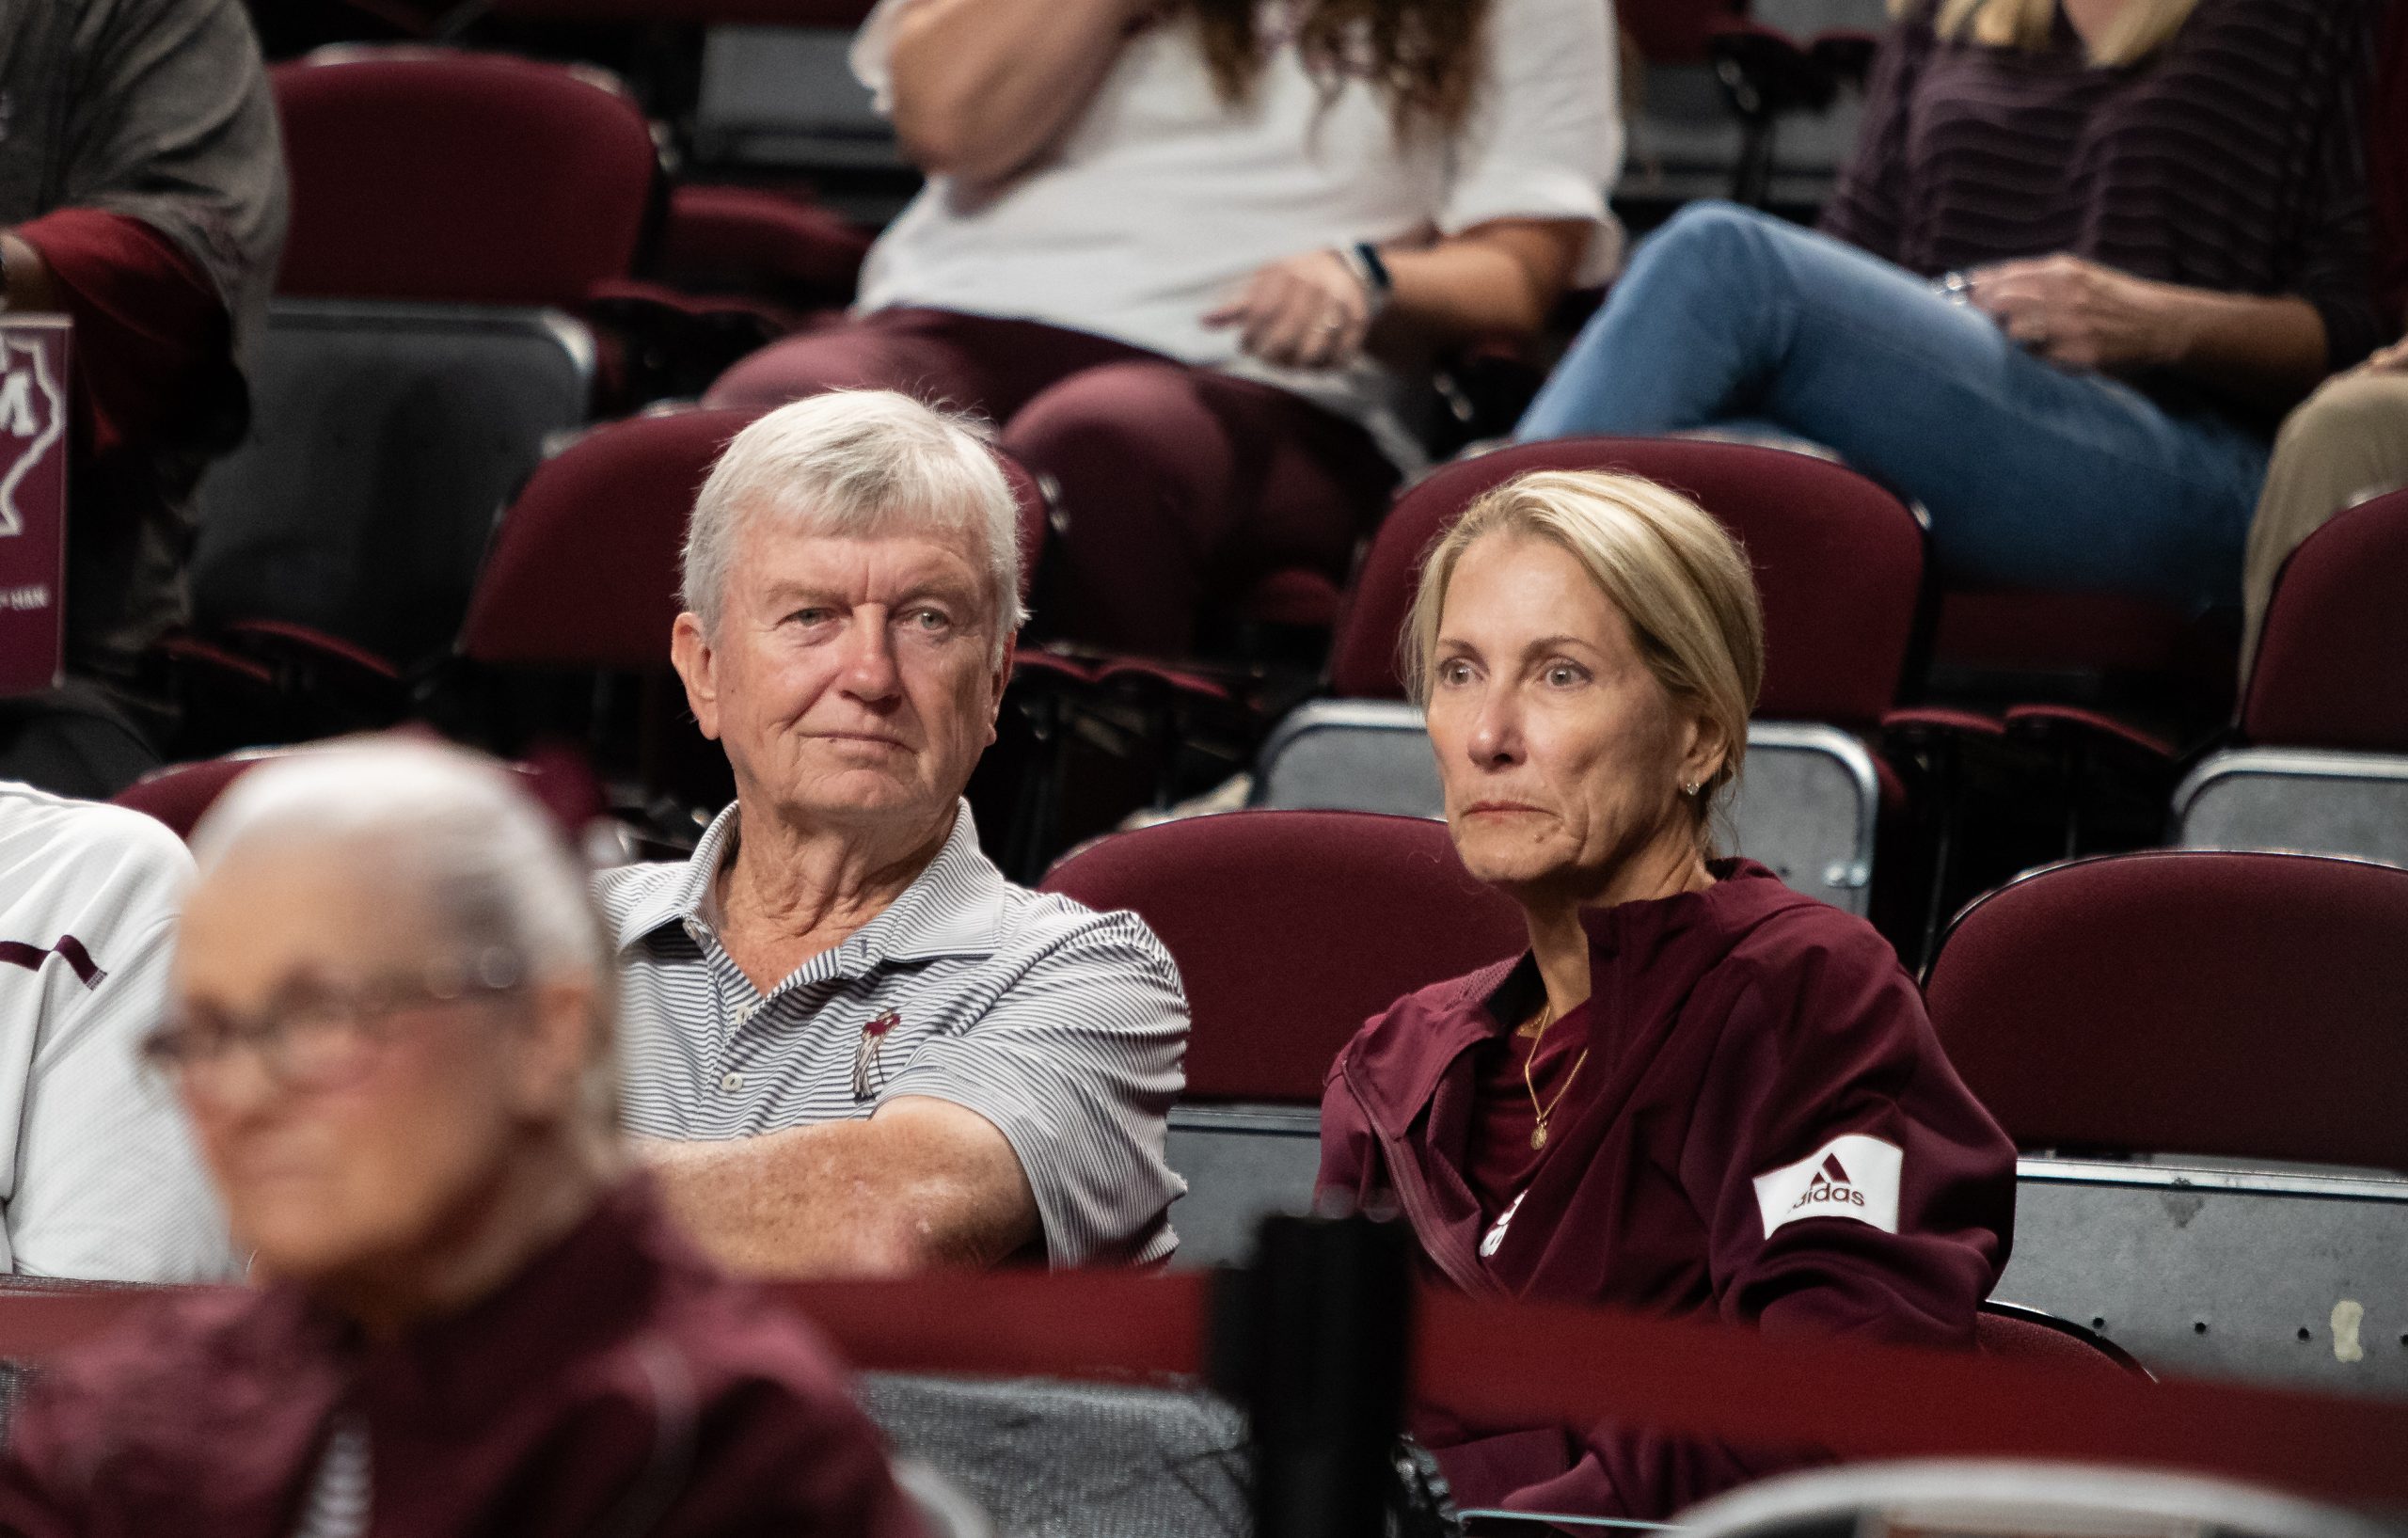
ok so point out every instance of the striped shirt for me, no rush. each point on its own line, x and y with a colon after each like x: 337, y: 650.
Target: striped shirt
x: 2231, y: 159
x: 342, y: 1489
x: 1061, y: 1026
x: 97, y: 1176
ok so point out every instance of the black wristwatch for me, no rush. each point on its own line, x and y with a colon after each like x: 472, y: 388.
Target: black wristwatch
x: 1363, y: 259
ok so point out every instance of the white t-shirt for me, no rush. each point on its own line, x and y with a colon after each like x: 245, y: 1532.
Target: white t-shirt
x: 1162, y: 200
x: 97, y: 1176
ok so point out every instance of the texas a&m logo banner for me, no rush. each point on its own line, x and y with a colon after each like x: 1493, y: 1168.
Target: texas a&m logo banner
x: 33, y: 500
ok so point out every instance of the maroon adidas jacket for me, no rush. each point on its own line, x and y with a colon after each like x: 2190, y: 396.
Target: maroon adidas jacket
x: 1770, y: 1135
x: 617, y: 1387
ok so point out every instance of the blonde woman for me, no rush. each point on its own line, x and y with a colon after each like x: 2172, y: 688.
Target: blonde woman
x: 2087, y: 254
x: 1697, y: 1092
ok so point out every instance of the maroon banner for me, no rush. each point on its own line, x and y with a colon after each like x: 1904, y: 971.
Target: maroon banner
x: 33, y: 500
x: 1532, y: 1362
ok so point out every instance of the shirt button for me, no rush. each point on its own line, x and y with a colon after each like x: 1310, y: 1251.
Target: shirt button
x: 744, y: 1014
x: 729, y: 1083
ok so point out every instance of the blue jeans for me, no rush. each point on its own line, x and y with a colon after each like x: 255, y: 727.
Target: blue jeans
x: 2033, y: 476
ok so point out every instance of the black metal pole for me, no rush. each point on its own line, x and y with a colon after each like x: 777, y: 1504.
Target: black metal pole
x: 1313, y: 1340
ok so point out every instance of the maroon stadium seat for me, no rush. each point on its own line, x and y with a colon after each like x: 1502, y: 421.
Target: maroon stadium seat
x: 443, y: 176
x: 2014, y: 1333
x: 1291, y: 929
x: 1838, y: 560
x: 2332, y: 668
x: 2246, y: 1006
x: 180, y: 795
x: 583, y: 568
x: 1677, y: 31
x: 758, y: 240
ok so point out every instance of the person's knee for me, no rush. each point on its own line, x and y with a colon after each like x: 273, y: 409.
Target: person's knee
x: 1719, y: 263
x: 2356, y: 414
x: 1137, y: 409
x: 1711, y: 229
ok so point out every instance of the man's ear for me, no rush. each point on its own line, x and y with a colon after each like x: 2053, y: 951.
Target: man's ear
x: 691, y: 655
x: 1002, y: 680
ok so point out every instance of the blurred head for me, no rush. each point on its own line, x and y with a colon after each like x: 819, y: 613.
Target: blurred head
x: 1588, y: 648
x: 851, y: 590
x: 392, y: 1008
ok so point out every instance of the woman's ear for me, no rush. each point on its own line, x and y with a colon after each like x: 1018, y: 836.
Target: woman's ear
x: 1708, y: 749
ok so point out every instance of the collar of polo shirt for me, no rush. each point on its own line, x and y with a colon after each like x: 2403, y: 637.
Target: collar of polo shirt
x: 953, y: 908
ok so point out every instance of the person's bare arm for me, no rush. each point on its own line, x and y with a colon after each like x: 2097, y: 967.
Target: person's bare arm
x: 982, y: 88
x: 29, y: 281
x: 1496, y: 279
x: 1501, y: 278
x: 2266, y: 352
x: 922, y: 1184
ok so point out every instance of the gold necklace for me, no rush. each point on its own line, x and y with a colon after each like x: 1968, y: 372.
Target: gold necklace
x: 1543, y: 1112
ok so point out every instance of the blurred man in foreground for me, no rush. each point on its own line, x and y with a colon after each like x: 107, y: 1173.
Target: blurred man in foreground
x: 392, y: 1031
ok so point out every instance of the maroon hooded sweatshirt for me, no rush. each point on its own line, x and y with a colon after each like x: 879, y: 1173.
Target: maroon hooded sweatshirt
x: 1766, y: 1132
x: 617, y: 1387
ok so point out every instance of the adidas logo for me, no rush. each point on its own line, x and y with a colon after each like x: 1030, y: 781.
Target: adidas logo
x: 1830, y: 1185
x: 1854, y: 1176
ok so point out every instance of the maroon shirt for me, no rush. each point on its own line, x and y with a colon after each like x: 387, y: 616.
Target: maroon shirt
x: 149, y: 331
x: 1508, y: 1071
x: 1766, y: 1133
x: 618, y: 1385
x: 2232, y: 159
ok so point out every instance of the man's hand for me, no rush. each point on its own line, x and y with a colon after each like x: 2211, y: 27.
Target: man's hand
x: 1309, y: 311
x: 2078, y: 314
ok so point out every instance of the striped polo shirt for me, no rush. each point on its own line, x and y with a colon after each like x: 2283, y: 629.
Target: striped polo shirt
x: 1063, y: 1026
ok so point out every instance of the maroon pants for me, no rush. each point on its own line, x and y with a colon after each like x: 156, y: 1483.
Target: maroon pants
x: 1182, y: 488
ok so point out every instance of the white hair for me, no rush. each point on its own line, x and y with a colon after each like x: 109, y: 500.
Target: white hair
x: 857, y: 462
x: 453, y: 832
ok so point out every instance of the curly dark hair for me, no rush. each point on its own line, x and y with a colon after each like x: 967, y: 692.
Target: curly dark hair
x: 1422, y: 55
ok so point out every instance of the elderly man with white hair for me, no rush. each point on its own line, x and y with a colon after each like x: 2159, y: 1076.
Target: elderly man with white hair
x: 392, y: 1031
x: 857, y: 1049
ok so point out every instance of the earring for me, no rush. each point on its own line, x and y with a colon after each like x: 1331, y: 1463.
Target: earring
x: 1690, y: 788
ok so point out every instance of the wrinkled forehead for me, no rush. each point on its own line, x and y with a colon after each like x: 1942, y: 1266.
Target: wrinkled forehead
x: 875, y: 556
x: 274, y: 913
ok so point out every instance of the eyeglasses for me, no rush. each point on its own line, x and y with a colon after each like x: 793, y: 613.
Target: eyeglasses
x: 312, y: 1036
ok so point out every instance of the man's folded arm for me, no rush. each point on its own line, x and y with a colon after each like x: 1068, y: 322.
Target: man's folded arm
x: 920, y: 1184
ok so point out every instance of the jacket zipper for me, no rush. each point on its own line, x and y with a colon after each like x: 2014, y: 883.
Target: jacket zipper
x: 1437, y: 1241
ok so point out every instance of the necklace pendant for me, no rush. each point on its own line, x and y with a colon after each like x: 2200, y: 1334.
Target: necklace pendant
x: 1538, y: 1136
